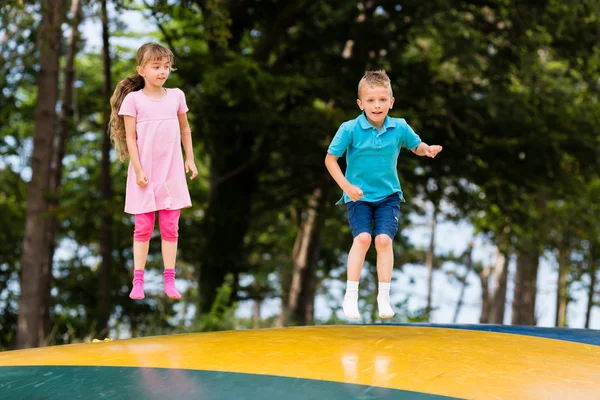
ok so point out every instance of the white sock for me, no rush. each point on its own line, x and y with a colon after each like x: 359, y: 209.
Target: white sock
x: 351, y: 300
x: 383, y: 301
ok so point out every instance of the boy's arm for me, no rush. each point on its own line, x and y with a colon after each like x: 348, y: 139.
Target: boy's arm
x: 423, y: 149
x: 186, y: 139
x: 334, y: 169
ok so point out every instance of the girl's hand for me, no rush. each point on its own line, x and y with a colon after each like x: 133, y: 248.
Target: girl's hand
x: 190, y: 166
x: 140, y: 178
x: 432, y: 151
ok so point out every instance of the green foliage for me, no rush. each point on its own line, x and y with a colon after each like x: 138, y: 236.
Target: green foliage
x: 510, y: 90
x: 18, y: 29
x: 221, y: 315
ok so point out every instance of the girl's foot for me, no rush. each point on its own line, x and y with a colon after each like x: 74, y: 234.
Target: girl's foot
x: 137, y: 293
x: 170, y: 289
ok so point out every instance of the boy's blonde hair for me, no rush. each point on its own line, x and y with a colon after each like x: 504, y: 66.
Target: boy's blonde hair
x: 145, y: 54
x: 375, y: 78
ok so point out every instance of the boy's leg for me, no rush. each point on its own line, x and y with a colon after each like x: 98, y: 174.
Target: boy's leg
x: 386, y: 215
x: 356, y: 255
x: 360, y: 216
x: 169, y: 228
x: 144, y: 225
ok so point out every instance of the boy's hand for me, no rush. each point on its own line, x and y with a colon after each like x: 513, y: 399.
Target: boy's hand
x: 140, y: 178
x: 354, y: 192
x: 432, y: 151
x: 191, y: 166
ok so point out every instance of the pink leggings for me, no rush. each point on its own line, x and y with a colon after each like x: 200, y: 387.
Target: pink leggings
x: 168, y: 221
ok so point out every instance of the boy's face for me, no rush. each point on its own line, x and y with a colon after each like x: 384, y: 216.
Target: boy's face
x: 156, y: 72
x: 376, y: 102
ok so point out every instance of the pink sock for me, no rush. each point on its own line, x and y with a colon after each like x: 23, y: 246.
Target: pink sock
x: 170, y: 289
x: 137, y: 293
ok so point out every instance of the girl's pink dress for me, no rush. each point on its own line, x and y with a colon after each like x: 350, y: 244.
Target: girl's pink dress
x: 159, y: 145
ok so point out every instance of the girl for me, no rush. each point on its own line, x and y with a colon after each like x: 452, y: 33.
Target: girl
x: 146, y: 123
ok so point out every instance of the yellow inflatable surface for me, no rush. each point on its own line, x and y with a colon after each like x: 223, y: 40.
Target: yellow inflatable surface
x: 323, y: 362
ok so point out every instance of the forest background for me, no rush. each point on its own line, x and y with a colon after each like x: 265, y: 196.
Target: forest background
x: 502, y: 227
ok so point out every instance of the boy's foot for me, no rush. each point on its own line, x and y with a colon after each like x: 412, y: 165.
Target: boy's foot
x: 170, y: 289
x: 385, y: 309
x: 351, y: 307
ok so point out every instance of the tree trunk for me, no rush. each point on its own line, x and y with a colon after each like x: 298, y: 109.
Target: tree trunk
x: 305, y: 255
x: 34, y: 307
x: 592, y: 288
x: 234, y: 168
x: 65, y: 121
x: 106, y: 185
x: 256, y: 313
x: 500, y: 277
x: 486, y: 304
x: 468, y: 262
x: 227, y: 215
x: 430, y: 258
x: 284, y: 277
x: 523, y: 307
x: 65, y: 124
x: 564, y: 256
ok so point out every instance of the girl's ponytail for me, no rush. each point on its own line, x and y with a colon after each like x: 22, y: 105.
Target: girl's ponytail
x: 117, y: 123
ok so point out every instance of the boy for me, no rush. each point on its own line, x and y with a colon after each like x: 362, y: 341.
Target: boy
x: 372, y: 192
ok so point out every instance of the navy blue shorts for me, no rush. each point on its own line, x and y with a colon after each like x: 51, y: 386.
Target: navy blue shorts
x: 380, y: 217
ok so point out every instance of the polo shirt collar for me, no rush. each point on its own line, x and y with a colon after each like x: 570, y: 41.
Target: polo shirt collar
x: 364, y: 122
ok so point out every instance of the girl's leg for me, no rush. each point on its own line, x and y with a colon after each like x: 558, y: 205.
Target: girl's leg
x: 144, y: 225
x: 140, y: 254
x: 169, y: 227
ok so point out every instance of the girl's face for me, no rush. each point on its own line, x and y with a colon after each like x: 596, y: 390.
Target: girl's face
x: 155, y: 72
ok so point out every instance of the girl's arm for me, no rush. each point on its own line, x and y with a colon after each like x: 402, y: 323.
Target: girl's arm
x: 186, y: 140
x: 134, y: 155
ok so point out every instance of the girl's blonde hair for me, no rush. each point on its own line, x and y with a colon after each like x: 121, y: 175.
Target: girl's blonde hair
x: 145, y: 54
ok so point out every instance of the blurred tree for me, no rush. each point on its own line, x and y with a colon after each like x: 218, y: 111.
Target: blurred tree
x: 36, y: 274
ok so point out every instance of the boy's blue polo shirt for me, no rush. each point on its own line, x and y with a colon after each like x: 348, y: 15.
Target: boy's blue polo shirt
x: 372, y: 155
